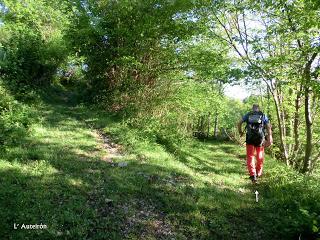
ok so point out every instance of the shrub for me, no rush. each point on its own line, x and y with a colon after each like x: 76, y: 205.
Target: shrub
x: 14, y: 119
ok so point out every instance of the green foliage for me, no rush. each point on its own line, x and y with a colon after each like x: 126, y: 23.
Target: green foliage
x: 32, y: 42
x: 207, y: 60
x: 14, y: 120
x: 128, y: 44
x: 160, y: 67
x: 138, y: 54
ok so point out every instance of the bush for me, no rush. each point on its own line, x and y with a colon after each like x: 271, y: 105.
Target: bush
x: 14, y: 119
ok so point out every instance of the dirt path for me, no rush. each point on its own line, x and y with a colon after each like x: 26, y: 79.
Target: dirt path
x: 109, y: 149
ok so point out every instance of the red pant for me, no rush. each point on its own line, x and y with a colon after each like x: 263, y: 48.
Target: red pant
x: 255, y: 169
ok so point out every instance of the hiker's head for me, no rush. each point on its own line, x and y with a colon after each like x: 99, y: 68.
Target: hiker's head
x: 255, y: 108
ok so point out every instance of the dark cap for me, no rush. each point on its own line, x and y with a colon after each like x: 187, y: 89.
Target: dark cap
x: 255, y: 107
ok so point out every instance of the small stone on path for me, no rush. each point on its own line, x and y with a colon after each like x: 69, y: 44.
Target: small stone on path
x: 122, y: 164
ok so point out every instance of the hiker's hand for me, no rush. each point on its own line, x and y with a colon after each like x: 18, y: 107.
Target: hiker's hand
x: 268, y: 143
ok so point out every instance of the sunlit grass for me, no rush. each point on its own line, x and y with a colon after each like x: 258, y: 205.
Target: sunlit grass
x: 57, y: 176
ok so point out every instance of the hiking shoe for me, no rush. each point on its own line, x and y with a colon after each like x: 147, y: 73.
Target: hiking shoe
x: 253, y: 179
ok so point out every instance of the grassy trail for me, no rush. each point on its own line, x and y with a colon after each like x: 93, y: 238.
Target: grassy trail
x: 59, y: 176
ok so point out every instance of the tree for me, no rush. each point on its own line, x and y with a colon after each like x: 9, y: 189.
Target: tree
x: 32, y: 40
x: 275, y: 42
x: 128, y: 44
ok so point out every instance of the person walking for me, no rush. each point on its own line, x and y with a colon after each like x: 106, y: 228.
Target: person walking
x: 258, y: 136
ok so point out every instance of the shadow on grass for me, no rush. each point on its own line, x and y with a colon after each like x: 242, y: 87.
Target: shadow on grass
x: 206, y: 157
x: 67, y: 187
x: 286, y: 211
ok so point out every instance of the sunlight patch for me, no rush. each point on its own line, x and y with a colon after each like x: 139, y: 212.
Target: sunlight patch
x: 75, y: 182
x: 40, y: 130
x: 42, y: 167
x: 4, y: 165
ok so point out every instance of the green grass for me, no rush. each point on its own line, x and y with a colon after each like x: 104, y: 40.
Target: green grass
x: 191, y: 190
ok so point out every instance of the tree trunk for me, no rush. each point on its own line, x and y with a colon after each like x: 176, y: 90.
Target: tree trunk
x: 215, y: 133
x: 198, y: 124
x: 203, y: 130
x: 208, y: 134
x: 288, y: 131
x: 308, y: 151
x: 307, y: 163
x: 281, y: 129
x: 296, y: 127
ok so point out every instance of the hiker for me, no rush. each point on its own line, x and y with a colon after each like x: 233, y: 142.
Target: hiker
x: 256, y: 139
